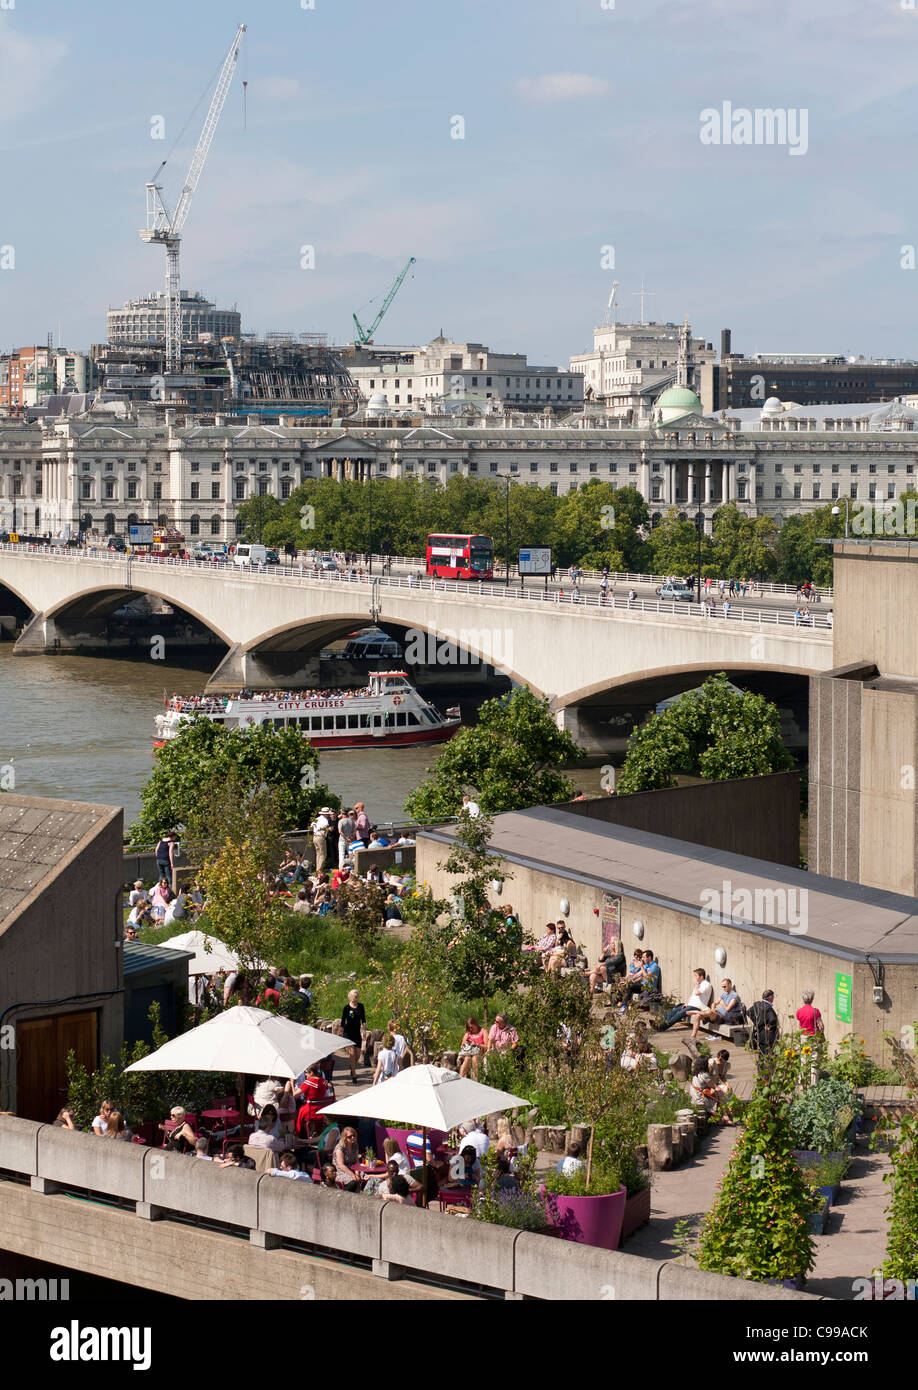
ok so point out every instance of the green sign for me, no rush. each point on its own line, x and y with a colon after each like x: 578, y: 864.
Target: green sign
x: 843, y: 986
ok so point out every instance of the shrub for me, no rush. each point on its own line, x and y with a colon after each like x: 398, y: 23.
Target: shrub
x: 820, y: 1115
x: 522, y: 1209
x: 757, y: 1226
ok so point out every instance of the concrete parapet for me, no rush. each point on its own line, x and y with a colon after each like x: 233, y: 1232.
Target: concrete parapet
x: 448, y: 1245
x: 19, y: 1144
x: 681, y: 1283
x: 75, y: 1159
x: 336, y: 1220
x: 180, y: 1183
x: 560, y: 1269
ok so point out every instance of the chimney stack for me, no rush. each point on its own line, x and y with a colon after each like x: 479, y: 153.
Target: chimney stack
x: 725, y: 350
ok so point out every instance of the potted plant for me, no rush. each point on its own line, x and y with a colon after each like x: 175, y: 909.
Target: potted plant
x: 589, y: 1212
x: 521, y: 1208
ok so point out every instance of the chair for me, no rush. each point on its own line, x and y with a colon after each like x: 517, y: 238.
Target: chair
x: 454, y: 1197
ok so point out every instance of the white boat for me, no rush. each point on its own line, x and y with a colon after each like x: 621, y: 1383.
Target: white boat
x: 388, y: 711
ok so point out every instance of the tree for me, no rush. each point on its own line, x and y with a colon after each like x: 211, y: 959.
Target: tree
x: 798, y: 552
x: 757, y: 1227
x: 205, y: 755
x: 360, y: 906
x: 584, y: 527
x: 674, y: 546
x: 512, y: 757
x: 716, y: 732
x: 744, y: 545
x: 484, y: 954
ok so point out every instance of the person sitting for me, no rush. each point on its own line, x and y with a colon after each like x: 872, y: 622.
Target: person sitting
x: 345, y: 1158
x: 466, y: 1170
x: 268, y: 1133
x: 726, y: 1012
x: 399, y: 1041
x: 645, y: 1056
x: 65, y: 1118
x: 397, y: 1190
x: 697, y: 1002
x: 316, y: 1093
x: 270, y: 993
x: 236, y: 1158
x: 648, y: 982
x: 175, y: 912
x: 564, y: 953
x: 116, y: 1128
x: 383, y: 1188
x: 288, y: 1168
x: 305, y: 990
x: 377, y: 841
x: 179, y: 1134
x: 330, y: 1177
x: 476, y: 1138
x: 474, y: 1043
x: 138, y: 893
x: 502, y: 1037
x: 392, y: 911
x: 393, y: 1154
x: 202, y: 1149
x: 547, y: 942
x: 100, y: 1123
x: 703, y: 1089
x: 610, y: 964
x: 719, y: 1067
x: 572, y: 1163
x: 140, y: 915
x: 161, y: 898
x: 302, y: 903
x: 507, y: 1181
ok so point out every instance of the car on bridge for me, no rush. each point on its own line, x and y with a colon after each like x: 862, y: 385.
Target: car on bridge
x: 678, y: 591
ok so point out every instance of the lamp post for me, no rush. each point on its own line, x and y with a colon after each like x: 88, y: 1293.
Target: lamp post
x: 508, y: 480
x: 836, y: 511
x: 699, y: 527
x: 370, y: 524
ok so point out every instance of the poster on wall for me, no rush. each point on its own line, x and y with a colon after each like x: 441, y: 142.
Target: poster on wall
x: 611, y: 918
x: 843, y: 987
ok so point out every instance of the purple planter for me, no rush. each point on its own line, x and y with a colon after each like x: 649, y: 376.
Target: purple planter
x: 637, y: 1213
x: 588, y: 1220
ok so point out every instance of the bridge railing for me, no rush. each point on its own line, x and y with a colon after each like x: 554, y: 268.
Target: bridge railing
x: 418, y: 562
x: 731, y: 610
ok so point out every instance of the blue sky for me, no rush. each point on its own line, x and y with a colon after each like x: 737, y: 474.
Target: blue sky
x: 582, y: 130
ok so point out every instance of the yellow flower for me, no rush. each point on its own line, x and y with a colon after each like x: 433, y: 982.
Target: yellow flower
x: 787, y: 1052
x: 804, y: 1051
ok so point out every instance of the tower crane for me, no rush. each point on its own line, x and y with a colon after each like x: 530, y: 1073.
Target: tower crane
x: 365, y: 335
x: 609, y: 317
x: 166, y: 229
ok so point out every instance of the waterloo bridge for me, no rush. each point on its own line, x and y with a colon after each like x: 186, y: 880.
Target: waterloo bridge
x: 595, y: 661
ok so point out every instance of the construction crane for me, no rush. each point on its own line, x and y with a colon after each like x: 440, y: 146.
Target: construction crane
x: 166, y: 229
x: 365, y: 335
x: 609, y: 316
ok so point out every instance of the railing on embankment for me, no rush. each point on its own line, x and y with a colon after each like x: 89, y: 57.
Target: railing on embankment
x: 390, y: 1240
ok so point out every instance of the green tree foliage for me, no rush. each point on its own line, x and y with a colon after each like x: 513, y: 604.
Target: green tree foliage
x: 757, y: 1227
x: 798, y: 552
x: 598, y: 525
x: 744, y: 545
x: 483, y: 955
x: 206, y: 754
x: 715, y: 732
x: 674, y: 547
x: 512, y: 758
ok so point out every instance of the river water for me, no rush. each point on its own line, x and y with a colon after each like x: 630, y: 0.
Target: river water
x: 81, y: 728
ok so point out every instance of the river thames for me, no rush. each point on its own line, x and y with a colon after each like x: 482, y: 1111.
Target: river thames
x: 81, y: 728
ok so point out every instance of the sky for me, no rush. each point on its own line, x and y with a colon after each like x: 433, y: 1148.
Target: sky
x: 582, y: 146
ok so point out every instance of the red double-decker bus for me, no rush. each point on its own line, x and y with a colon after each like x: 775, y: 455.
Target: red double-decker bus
x: 460, y: 557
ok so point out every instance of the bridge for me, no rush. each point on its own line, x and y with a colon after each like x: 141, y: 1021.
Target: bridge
x: 591, y: 658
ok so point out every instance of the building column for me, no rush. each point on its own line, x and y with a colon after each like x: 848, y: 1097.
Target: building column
x: 670, y: 475
x: 645, y: 479
x: 727, y: 481
x: 707, y: 484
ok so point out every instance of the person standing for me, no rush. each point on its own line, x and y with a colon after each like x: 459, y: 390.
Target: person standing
x: 320, y: 828
x: 809, y: 1018
x: 164, y: 854
x: 347, y: 831
x: 764, y: 1022
x: 362, y: 821
x: 470, y: 807
x: 353, y: 1022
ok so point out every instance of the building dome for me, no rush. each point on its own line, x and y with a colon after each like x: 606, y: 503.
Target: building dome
x: 377, y: 404
x: 677, y: 401
x: 772, y: 407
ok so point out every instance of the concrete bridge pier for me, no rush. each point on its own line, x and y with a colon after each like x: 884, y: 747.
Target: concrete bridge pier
x: 45, y: 634
x: 600, y: 729
x: 264, y: 671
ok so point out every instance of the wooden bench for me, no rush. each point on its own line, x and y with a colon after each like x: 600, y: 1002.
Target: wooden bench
x: 736, y: 1033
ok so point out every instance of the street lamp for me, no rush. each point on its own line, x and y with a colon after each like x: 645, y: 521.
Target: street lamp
x: 508, y: 480
x: 370, y: 523
x: 836, y: 511
x: 699, y: 527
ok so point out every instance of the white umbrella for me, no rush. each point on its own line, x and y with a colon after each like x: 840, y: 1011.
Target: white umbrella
x: 210, y: 954
x: 431, y: 1097
x: 247, y: 1041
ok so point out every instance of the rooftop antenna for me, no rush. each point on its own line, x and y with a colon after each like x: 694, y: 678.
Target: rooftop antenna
x: 643, y: 294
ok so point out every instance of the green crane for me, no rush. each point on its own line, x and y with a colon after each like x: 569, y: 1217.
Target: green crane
x: 365, y: 335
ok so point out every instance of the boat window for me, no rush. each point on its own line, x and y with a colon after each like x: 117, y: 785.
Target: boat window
x: 279, y: 723
x: 412, y: 718
x: 353, y: 721
x: 390, y: 720
x: 328, y: 721
x: 364, y: 721
x: 401, y: 720
x: 340, y: 721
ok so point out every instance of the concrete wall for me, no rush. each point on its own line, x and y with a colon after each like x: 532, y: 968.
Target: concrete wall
x: 757, y: 816
x: 149, y: 1250
x: 682, y: 941
x: 876, y: 585
x: 63, y: 939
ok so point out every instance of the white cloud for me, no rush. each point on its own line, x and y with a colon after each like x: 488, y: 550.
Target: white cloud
x: 26, y: 72
x: 560, y: 86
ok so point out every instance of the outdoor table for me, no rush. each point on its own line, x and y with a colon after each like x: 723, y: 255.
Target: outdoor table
x: 372, y: 1170
x: 227, y: 1117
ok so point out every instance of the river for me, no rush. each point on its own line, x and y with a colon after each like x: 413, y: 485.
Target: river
x: 81, y: 728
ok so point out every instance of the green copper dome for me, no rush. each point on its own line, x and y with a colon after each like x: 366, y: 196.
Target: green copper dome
x: 677, y: 401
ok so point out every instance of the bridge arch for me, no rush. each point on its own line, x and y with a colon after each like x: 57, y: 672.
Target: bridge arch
x: 102, y: 600
x: 671, y: 680
x: 476, y: 642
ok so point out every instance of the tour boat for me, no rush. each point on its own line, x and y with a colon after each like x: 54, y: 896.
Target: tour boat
x: 388, y: 711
